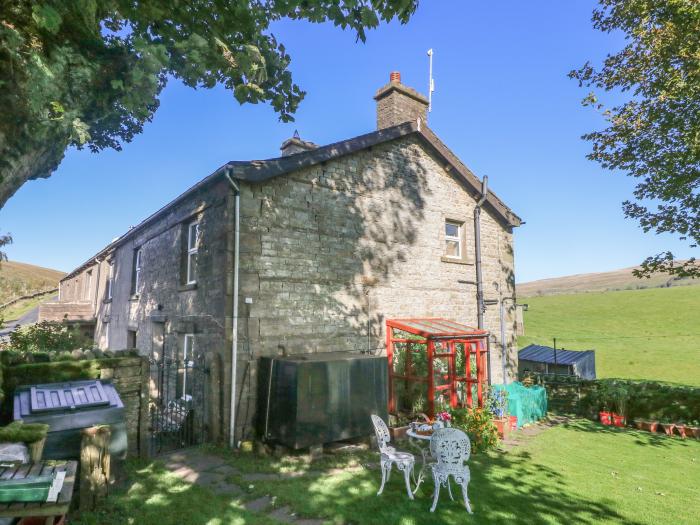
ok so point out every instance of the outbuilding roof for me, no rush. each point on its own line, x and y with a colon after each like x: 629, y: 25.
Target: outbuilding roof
x: 545, y: 354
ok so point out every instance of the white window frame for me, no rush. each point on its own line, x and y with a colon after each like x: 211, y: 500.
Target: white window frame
x: 187, y: 363
x: 458, y: 239
x: 110, y: 282
x: 137, y: 269
x: 192, y: 249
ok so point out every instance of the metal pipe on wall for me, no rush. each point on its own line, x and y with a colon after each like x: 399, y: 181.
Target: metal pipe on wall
x: 234, y: 328
x: 477, y: 249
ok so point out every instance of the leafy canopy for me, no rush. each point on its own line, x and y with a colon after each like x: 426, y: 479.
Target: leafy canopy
x: 655, y: 135
x: 88, y: 73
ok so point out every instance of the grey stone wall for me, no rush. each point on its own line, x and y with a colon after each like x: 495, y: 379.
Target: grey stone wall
x: 332, y: 251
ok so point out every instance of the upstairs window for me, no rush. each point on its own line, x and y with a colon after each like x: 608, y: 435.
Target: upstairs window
x: 110, y: 283
x: 453, y: 240
x: 138, y: 262
x: 192, y: 248
x: 87, y: 285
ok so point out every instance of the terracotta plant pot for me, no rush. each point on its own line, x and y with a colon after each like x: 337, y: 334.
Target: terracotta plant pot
x: 618, y: 420
x: 33, y: 520
x: 649, y: 426
x: 692, y: 432
x: 605, y: 418
x: 681, y: 431
x: 503, y: 427
x: 398, y: 432
x: 668, y: 428
x: 513, y: 420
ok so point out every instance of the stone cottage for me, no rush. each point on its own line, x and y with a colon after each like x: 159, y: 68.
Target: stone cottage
x: 308, y: 252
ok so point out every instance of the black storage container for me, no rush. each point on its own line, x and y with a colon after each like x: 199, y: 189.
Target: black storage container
x: 68, y: 408
x: 311, y: 399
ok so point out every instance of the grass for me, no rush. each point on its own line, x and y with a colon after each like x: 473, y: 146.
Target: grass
x: 17, y: 310
x: 575, y: 473
x: 18, y: 279
x: 649, y: 334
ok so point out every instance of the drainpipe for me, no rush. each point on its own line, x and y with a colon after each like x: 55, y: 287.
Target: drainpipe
x: 477, y: 249
x: 234, y: 328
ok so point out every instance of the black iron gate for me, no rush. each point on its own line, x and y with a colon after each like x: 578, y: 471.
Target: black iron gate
x: 178, y: 403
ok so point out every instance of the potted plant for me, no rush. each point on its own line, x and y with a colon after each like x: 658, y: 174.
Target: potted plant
x: 603, y: 400
x: 692, y: 429
x: 31, y: 434
x: 667, y: 426
x: 649, y: 426
x: 497, y: 404
x: 620, y: 397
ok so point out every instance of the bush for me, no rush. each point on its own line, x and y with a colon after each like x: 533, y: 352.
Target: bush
x: 46, y: 337
x: 18, y: 432
x: 479, y: 426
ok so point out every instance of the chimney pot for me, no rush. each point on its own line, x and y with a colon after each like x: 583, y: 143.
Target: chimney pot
x: 395, y: 76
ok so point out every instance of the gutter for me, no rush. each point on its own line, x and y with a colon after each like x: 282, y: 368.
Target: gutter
x: 234, y: 327
x: 480, y: 308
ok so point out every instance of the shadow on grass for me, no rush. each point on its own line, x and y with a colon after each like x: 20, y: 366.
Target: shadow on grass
x: 505, y: 488
x: 641, y: 437
x: 153, y: 496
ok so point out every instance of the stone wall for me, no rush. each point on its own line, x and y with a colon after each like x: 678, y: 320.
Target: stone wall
x: 332, y: 251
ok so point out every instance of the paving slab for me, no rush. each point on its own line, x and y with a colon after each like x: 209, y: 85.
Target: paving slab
x: 258, y: 504
x: 283, y: 515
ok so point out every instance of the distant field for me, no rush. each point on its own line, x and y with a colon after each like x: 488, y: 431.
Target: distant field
x: 637, y: 334
x: 18, y: 279
x: 596, y: 282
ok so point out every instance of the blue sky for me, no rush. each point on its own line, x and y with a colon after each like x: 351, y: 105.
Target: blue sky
x: 503, y: 103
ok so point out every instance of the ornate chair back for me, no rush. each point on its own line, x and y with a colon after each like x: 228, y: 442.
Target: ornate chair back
x: 451, y: 448
x: 381, y: 431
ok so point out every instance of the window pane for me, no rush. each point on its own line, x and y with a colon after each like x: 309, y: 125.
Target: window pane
x: 451, y: 229
x: 452, y: 248
x: 193, y: 234
x: 192, y: 267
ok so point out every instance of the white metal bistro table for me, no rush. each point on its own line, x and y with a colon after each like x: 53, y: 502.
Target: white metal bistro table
x: 422, y: 443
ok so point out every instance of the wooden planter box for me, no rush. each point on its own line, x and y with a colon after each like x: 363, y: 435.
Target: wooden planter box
x: 503, y: 427
x: 398, y: 432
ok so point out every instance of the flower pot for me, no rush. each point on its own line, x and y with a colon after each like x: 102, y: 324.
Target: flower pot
x: 36, y: 450
x: 503, y: 427
x: 605, y: 418
x: 618, y: 420
x: 692, y: 432
x: 32, y: 520
x: 513, y: 422
x: 398, y: 432
x: 667, y: 428
x: 649, y: 426
x: 681, y: 431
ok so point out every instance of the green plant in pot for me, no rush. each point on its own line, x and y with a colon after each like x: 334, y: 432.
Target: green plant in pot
x: 31, y: 434
x: 620, y: 398
x: 602, y: 398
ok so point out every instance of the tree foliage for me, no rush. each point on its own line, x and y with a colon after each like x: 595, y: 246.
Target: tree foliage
x: 88, y: 73
x: 5, y: 239
x: 654, y: 136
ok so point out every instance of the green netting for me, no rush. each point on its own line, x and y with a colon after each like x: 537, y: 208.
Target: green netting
x: 528, y: 404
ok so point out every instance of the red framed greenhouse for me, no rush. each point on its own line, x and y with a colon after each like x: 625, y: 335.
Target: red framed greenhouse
x: 433, y: 362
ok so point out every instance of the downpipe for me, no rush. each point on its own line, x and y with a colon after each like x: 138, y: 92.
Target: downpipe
x: 234, y: 328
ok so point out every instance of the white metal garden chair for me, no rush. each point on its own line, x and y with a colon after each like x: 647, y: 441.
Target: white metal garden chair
x: 404, y: 461
x: 451, y: 448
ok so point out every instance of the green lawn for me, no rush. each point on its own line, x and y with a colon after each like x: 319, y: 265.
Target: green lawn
x: 578, y: 473
x: 637, y: 334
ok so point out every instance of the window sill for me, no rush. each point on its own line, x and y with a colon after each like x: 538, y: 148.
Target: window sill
x: 134, y: 297
x: 187, y: 287
x: 107, y: 301
x: 454, y: 260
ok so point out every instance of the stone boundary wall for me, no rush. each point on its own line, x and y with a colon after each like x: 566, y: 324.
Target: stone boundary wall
x: 30, y: 296
x: 130, y: 376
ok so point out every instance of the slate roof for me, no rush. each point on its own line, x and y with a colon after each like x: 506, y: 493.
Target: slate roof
x: 545, y: 354
x: 261, y: 170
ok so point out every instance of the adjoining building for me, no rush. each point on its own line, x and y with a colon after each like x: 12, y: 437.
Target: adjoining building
x: 540, y: 359
x: 309, y: 252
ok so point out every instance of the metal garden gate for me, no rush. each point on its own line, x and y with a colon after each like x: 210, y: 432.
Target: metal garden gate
x: 178, y: 403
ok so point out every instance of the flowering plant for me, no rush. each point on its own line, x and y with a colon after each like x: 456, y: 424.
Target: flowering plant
x: 497, y: 403
x: 444, y: 417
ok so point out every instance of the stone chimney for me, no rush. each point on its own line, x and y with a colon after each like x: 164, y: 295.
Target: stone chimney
x: 296, y: 145
x: 397, y: 103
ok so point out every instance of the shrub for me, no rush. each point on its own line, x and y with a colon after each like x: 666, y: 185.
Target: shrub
x: 479, y: 426
x: 18, y: 432
x: 47, y: 336
x: 497, y: 402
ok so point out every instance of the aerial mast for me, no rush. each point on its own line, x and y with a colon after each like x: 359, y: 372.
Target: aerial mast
x: 431, y: 82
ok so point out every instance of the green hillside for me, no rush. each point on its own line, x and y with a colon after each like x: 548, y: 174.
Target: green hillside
x: 18, y: 279
x: 637, y: 334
